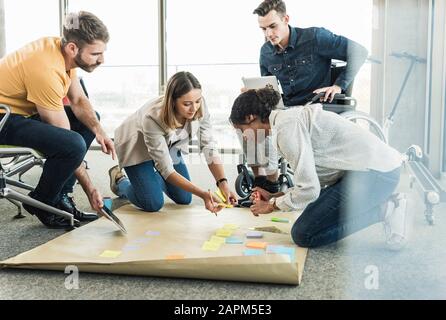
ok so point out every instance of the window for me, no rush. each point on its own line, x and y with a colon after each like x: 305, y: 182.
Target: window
x: 219, y: 42
x: 27, y: 20
x: 129, y: 76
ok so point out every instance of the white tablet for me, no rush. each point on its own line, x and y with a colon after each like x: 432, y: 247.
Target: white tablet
x: 262, y: 82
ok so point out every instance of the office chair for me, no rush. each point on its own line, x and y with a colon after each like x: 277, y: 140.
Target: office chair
x: 16, y: 197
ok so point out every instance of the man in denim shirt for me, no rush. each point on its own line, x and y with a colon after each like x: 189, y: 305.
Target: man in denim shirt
x: 301, y: 58
x: 301, y: 61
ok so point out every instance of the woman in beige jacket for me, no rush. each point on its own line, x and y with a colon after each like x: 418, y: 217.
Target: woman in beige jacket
x: 149, y: 145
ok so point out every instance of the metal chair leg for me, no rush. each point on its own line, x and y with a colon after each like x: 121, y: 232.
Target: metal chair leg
x: 14, y: 195
x: 19, y: 184
x: 19, y: 209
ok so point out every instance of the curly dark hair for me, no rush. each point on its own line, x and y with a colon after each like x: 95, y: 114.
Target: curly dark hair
x: 258, y: 102
x: 269, y: 5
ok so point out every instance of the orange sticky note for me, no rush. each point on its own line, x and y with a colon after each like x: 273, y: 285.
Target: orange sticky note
x: 257, y: 245
x: 175, y: 257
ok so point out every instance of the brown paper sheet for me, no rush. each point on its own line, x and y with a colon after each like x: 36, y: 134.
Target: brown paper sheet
x: 175, y: 230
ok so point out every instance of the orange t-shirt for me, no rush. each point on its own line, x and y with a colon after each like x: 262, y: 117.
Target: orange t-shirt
x: 35, y: 75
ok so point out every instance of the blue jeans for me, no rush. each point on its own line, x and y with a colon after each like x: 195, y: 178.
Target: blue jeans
x: 352, y: 204
x: 64, y: 151
x: 144, y: 186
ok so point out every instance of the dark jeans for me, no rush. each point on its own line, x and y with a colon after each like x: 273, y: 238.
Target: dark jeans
x: 144, y: 186
x: 353, y: 203
x: 64, y: 151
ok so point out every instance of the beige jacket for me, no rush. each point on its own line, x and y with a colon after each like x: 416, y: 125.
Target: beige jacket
x: 143, y: 137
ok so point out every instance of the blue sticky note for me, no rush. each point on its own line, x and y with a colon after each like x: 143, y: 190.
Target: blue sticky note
x: 288, y: 251
x: 253, y: 252
x: 234, y: 240
x: 131, y: 247
x: 273, y: 248
x: 142, y: 240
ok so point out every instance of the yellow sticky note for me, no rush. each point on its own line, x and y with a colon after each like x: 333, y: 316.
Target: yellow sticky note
x: 257, y: 245
x: 230, y: 226
x: 223, y: 233
x: 175, y: 257
x: 220, y: 195
x: 110, y: 254
x: 210, y: 246
x: 217, y: 239
x: 224, y: 205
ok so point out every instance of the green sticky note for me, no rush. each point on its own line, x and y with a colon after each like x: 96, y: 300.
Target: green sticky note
x: 217, y: 239
x: 210, y: 246
x: 110, y: 254
x: 284, y: 220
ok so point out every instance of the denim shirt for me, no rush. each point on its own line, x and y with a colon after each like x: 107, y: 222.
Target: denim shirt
x: 304, y: 65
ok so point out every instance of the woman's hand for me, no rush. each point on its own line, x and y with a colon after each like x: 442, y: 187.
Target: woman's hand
x: 230, y: 196
x: 211, y: 202
x: 261, y: 207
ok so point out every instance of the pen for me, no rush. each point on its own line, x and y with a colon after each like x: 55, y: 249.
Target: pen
x: 212, y: 200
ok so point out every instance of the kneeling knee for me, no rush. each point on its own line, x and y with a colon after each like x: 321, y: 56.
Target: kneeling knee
x: 301, y: 236
x: 152, y: 206
x: 185, y: 199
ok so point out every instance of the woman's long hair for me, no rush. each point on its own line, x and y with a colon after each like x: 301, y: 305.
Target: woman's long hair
x: 179, y: 84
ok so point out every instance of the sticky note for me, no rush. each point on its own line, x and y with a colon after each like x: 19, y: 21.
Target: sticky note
x: 220, y: 195
x: 230, y: 226
x: 223, y: 233
x: 257, y: 245
x: 284, y: 220
x: 221, y: 204
x: 175, y: 257
x: 253, y: 252
x: 272, y: 229
x: 141, y: 240
x: 217, y: 239
x: 152, y: 233
x: 210, y: 246
x: 110, y: 254
x: 254, y: 234
x: 131, y: 247
x: 234, y: 240
x: 282, y: 250
x: 273, y: 248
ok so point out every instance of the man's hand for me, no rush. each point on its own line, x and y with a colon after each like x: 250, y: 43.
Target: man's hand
x: 264, y: 195
x: 329, y: 92
x: 107, y: 145
x: 261, y: 207
x: 95, y: 199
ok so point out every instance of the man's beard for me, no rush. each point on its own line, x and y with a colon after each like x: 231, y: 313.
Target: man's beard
x: 83, y: 65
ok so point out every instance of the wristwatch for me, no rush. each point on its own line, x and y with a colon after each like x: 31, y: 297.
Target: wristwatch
x: 220, y: 181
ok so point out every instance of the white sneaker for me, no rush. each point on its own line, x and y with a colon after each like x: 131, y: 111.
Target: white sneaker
x: 396, y: 222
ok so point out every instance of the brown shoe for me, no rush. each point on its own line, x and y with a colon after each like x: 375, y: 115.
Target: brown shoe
x: 116, y: 175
